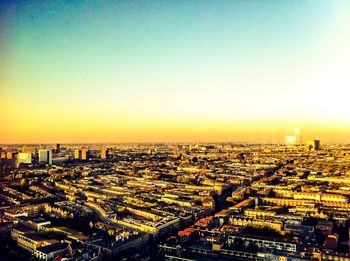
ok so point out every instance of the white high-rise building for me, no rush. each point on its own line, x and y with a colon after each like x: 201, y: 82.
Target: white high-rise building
x: 297, y: 135
x: 293, y: 139
x: 45, y: 156
x: 290, y: 140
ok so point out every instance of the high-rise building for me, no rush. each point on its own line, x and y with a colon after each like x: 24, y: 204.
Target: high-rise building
x: 176, y: 151
x: 290, y: 140
x: 84, y: 154
x: 293, y: 139
x: 104, y: 153
x: 24, y: 157
x: 316, y: 144
x: 58, y: 148
x: 77, y: 154
x: 45, y: 156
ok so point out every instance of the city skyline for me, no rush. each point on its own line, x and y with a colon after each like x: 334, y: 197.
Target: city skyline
x: 161, y: 71
x: 167, y: 130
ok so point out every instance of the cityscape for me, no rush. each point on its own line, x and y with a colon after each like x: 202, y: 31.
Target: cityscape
x: 175, y: 130
x: 176, y: 201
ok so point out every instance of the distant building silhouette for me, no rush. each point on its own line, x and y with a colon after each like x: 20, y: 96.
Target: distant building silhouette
x: 58, y: 148
x: 314, y: 145
x: 317, y: 144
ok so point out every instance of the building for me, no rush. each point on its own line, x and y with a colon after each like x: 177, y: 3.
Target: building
x: 45, y: 156
x: 331, y: 241
x: 293, y: 139
x: 82, y: 154
x: 32, y: 241
x: 262, y: 242
x: 10, y: 155
x: 85, y: 154
x: 29, y: 149
x: 316, y: 144
x: 58, y: 148
x: 8, y: 159
x: 58, y: 160
x: 77, y: 154
x: 24, y: 157
x: 51, y: 251
x: 290, y: 140
x: 104, y: 153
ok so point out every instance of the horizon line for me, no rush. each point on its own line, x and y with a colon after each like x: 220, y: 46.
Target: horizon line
x: 178, y: 142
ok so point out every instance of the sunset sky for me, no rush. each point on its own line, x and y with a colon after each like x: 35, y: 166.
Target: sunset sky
x: 154, y: 71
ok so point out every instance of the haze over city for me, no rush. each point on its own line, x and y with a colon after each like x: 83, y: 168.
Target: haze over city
x: 175, y: 130
x: 170, y: 71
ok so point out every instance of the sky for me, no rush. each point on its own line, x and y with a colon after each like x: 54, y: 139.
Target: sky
x: 174, y: 71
